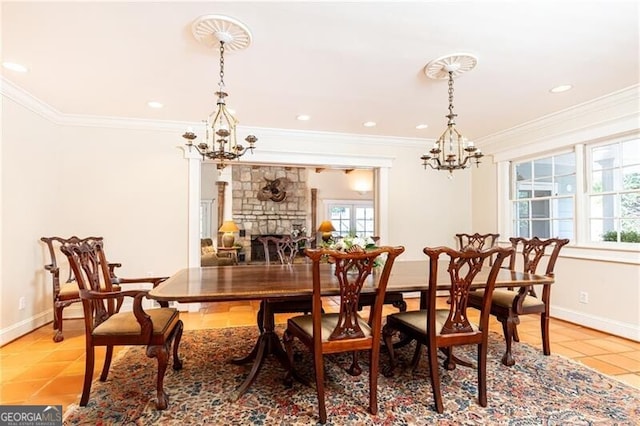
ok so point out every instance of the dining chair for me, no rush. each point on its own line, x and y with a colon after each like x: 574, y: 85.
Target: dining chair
x: 508, y: 304
x: 444, y: 328
x: 67, y: 293
x: 345, y: 330
x: 477, y: 241
x: 105, y: 325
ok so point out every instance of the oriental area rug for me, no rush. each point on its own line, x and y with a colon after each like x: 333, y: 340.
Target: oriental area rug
x: 538, y: 390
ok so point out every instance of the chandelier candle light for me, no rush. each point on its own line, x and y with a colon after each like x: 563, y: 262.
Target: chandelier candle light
x: 220, y: 136
x: 451, y: 151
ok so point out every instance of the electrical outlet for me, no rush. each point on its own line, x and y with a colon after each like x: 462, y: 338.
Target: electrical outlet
x: 22, y: 303
x: 584, y: 297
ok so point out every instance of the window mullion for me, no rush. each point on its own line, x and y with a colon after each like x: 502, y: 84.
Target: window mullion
x: 581, y: 213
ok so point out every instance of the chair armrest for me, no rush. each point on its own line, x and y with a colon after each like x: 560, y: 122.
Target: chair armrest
x: 112, y: 267
x: 146, y: 326
x: 154, y: 280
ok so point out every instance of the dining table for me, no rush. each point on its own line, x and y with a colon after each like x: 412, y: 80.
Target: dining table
x: 293, y: 282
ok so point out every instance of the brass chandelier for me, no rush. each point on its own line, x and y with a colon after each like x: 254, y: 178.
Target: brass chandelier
x: 451, y: 151
x: 220, y: 142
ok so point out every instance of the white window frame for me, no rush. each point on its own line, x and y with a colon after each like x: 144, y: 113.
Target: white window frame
x: 328, y: 204
x: 589, y: 193
x: 581, y: 247
x: 552, y: 199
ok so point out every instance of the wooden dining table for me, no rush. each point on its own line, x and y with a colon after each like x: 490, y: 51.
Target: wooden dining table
x: 271, y: 282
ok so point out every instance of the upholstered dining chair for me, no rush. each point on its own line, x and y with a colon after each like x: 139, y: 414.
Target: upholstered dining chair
x: 508, y: 304
x: 66, y: 293
x: 447, y: 327
x: 105, y: 325
x: 342, y: 331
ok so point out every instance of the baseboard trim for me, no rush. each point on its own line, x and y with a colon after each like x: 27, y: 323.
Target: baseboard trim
x: 617, y: 328
x: 25, y: 326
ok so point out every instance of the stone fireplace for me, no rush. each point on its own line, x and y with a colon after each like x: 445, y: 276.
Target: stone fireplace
x: 259, y: 216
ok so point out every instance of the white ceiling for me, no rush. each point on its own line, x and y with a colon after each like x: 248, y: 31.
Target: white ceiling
x: 343, y: 63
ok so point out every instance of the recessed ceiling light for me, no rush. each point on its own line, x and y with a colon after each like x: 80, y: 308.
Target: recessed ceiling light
x: 303, y: 117
x: 14, y: 67
x: 561, y: 88
x: 422, y: 126
x: 154, y: 104
x: 369, y: 124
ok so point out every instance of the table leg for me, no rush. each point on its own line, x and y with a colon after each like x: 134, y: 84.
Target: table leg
x: 268, y: 343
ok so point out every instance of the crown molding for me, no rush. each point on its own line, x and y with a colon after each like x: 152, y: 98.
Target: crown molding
x: 617, y: 113
x: 24, y: 98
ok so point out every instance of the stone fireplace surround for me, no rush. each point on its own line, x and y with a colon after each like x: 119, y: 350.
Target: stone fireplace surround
x: 255, y: 217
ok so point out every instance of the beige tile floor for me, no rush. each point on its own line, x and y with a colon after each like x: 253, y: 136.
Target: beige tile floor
x: 35, y: 370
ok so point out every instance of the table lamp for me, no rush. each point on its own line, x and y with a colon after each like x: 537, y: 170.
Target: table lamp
x: 326, y: 227
x: 228, y: 227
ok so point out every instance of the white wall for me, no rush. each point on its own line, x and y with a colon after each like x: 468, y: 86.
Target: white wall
x: 127, y: 185
x: 30, y: 197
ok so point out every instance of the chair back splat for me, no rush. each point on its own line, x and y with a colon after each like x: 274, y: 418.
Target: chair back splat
x: 345, y: 330
x: 444, y: 328
x: 157, y: 329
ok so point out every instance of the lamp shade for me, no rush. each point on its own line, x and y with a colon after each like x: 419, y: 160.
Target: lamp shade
x: 326, y: 226
x: 229, y: 226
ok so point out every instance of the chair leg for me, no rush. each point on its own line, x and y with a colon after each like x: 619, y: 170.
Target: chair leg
x: 507, y: 328
x: 177, y: 362
x: 544, y: 326
x: 161, y: 352
x: 516, y: 337
x: 354, y: 369
x: 482, y: 374
x: 57, y: 323
x: 287, y: 339
x: 318, y: 363
x: 374, y: 362
x: 434, y: 374
x: 88, y: 376
x: 416, y: 356
x: 387, y: 335
x: 107, y: 363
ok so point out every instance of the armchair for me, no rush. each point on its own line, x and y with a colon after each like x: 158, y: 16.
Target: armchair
x: 209, y: 257
x: 67, y: 293
x: 157, y: 329
x: 508, y: 304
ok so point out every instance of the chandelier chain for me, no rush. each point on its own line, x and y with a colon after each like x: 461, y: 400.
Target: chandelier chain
x: 221, y: 66
x: 451, y: 95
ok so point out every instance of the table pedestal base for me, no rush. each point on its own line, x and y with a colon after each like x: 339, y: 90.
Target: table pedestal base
x: 268, y: 343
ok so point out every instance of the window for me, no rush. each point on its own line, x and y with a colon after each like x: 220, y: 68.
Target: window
x: 614, y: 192
x: 352, y: 218
x: 543, y: 197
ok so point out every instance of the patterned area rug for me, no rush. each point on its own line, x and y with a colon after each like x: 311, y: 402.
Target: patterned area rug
x: 538, y: 390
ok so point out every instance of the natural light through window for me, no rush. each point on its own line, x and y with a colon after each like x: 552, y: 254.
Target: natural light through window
x: 614, y: 192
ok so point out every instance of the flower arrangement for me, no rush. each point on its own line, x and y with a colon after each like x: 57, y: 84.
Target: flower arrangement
x: 366, y: 243
x: 299, y: 232
x: 349, y: 241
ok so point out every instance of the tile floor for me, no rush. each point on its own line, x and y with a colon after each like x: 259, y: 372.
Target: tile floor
x: 35, y: 370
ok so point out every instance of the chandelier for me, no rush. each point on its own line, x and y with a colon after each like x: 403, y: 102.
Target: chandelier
x: 220, y: 142
x: 451, y: 151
